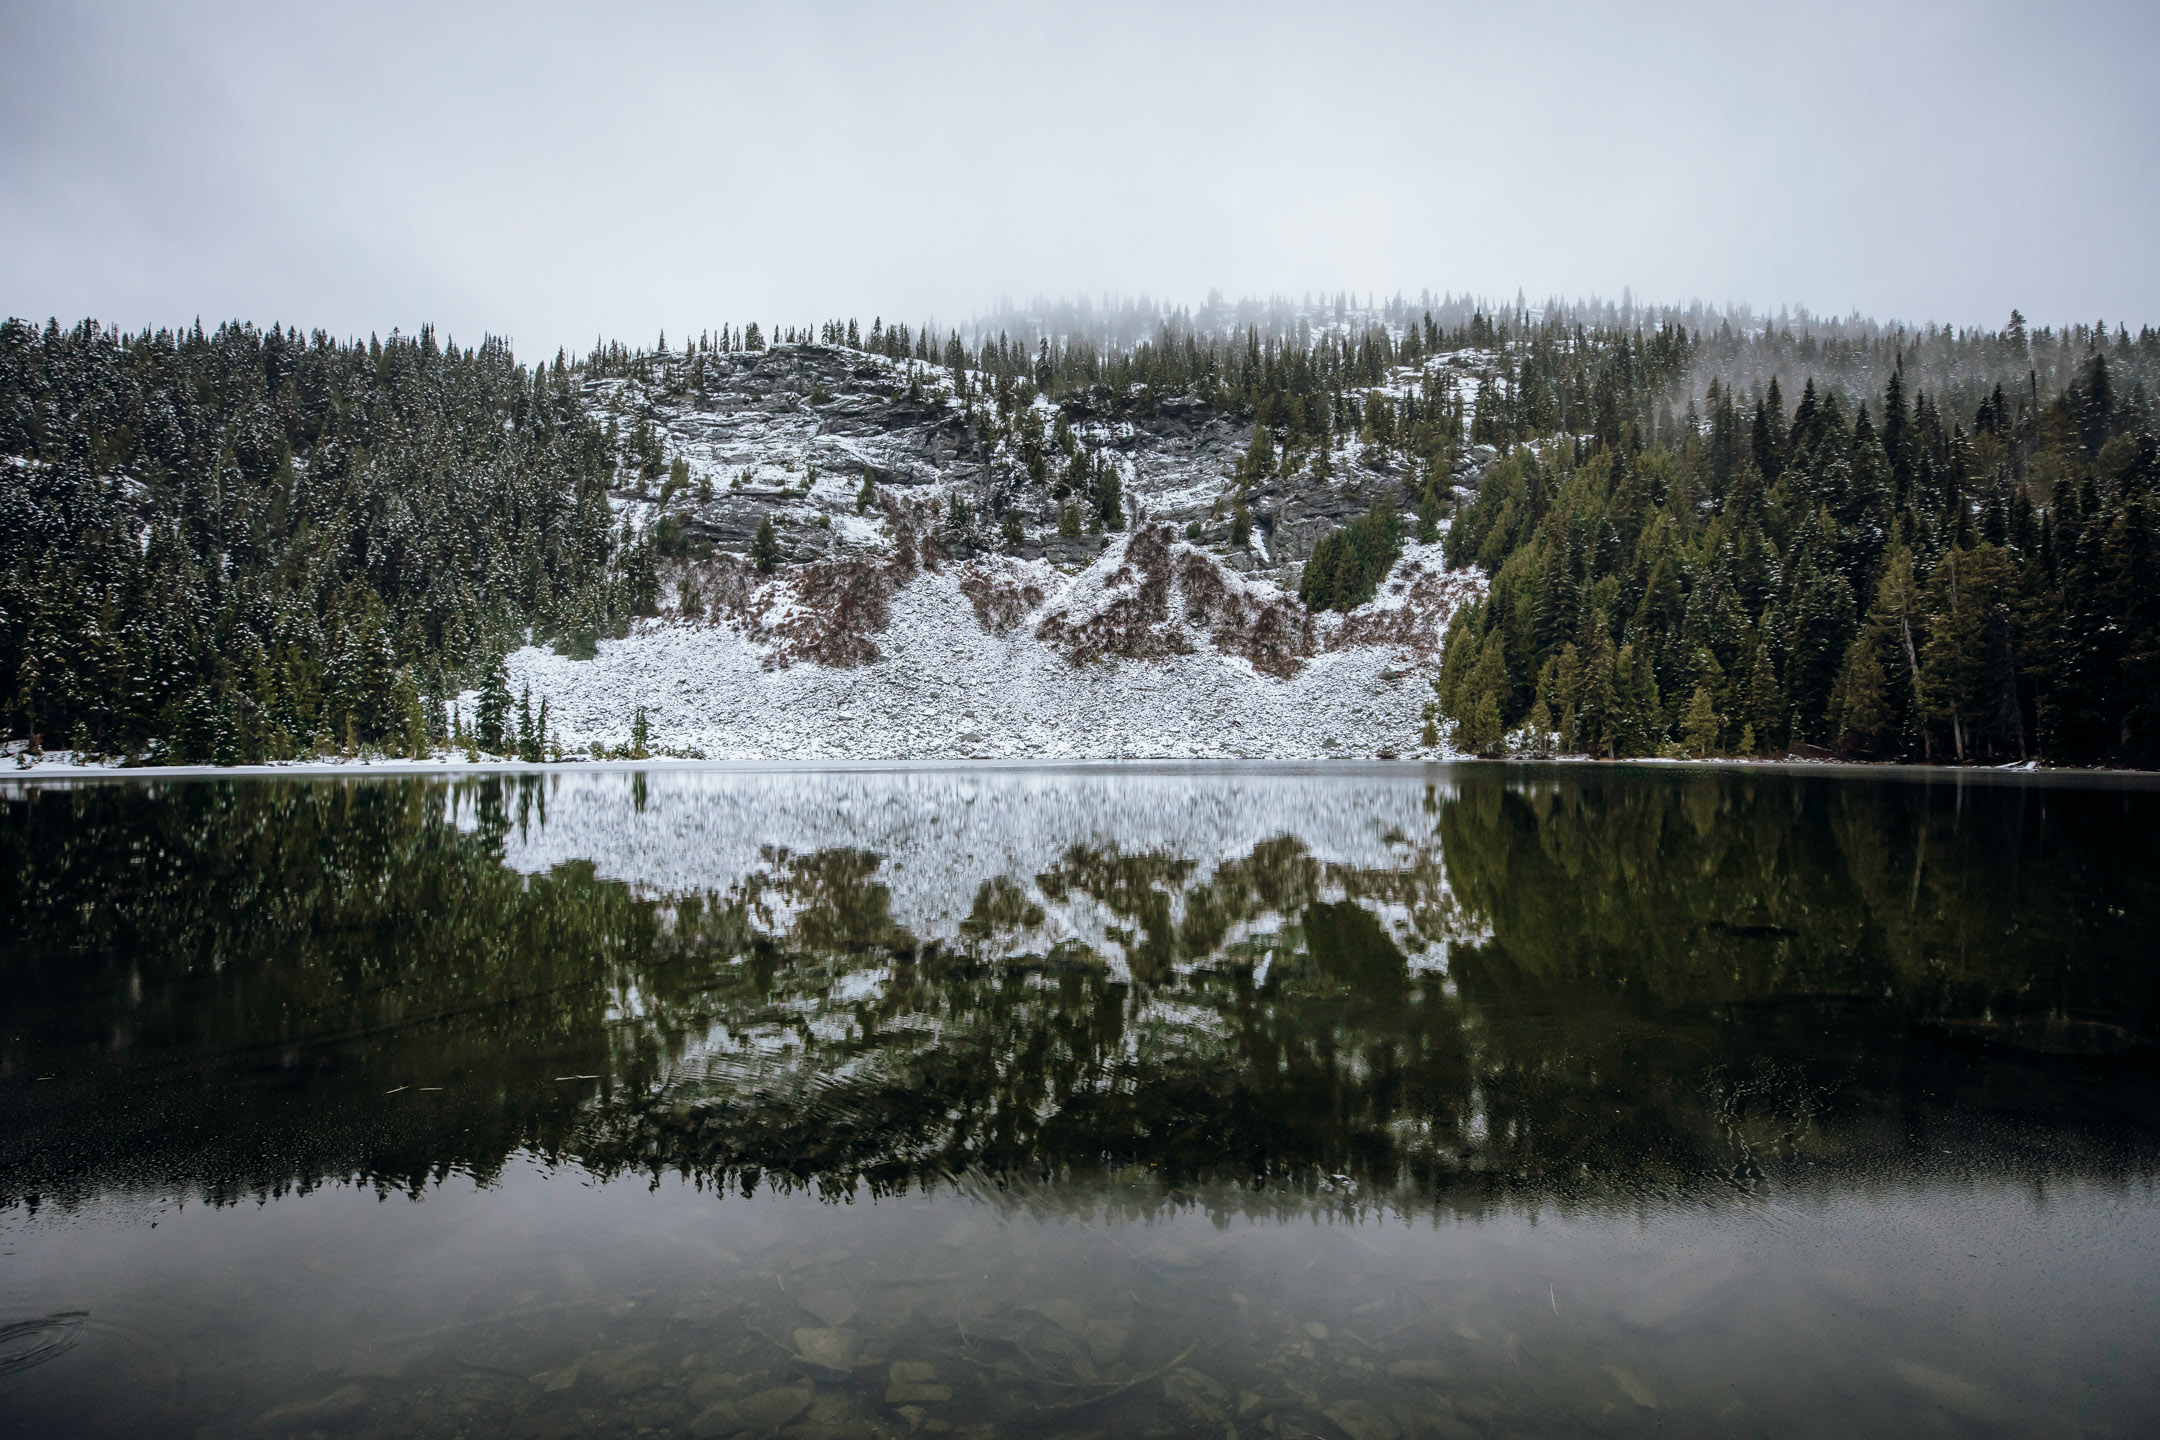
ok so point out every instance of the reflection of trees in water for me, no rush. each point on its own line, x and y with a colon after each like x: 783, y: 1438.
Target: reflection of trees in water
x: 1654, y: 984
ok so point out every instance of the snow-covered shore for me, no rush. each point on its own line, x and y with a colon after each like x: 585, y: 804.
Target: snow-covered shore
x: 1169, y: 683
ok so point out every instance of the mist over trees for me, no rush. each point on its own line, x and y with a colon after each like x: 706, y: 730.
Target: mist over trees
x: 1706, y: 531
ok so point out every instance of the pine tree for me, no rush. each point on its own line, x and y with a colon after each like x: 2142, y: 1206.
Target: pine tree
x: 1967, y: 666
x: 1863, y: 719
x: 1348, y: 564
x: 1597, y: 727
x: 1479, y: 729
x: 1108, y: 496
x: 1700, y: 728
x: 1538, y: 725
x: 1259, y: 461
x: 491, y: 713
x: 1637, y: 723
x: 765, y: 547
x: 413, y: 726
x: 1430, y: 512
x: 1568, y: 688
x: 1766, y: 699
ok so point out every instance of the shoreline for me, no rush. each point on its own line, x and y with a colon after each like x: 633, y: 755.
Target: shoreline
x: 69, y: 770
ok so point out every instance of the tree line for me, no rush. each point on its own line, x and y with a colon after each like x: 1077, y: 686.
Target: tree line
x: 250, y: 544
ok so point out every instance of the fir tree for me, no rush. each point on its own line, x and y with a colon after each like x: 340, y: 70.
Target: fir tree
x: 491, y: 713
x: 1348, y: 564
x: 1700, y: 727
x: 765, y: 547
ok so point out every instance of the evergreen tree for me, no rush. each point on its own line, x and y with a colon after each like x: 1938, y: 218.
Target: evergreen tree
x: 1478, y: 729
x: 1108, y: 497
x: 1700, y: 727
x: 491, y: 712
x: 1348, y: 564
x: 765, y: 547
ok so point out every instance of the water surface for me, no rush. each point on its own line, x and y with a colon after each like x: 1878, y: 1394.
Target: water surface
x: 1198, y: 1100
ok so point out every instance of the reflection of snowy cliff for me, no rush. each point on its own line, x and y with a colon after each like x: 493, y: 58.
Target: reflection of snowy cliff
x: 1023, y: 859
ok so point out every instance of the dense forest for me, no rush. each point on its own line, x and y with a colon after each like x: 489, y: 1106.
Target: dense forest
x: 257, y: 544
x: 1705, y: 533
x: 1878, y: 579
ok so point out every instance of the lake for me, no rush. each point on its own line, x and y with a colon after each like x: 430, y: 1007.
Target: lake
x: 1364, y: 1102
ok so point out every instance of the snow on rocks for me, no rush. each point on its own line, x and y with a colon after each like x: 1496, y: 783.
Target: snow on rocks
x: 1153, y: 651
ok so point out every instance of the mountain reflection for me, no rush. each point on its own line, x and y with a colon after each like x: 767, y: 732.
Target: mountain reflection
x: 1475, y: 986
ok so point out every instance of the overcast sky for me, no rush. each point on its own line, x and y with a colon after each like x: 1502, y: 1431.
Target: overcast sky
x: 555, y: 173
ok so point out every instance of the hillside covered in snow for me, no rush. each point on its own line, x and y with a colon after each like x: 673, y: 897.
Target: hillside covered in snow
x: 859, y: 555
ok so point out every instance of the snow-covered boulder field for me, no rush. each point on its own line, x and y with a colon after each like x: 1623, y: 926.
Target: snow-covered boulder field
x: 1154, y: 650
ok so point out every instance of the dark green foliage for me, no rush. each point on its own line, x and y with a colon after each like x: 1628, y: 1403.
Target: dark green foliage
x: 765, y: 547
x: 247, y: 544
x: 1895, y: 590
x: 491, y: 713
x: 671, y: 538
x: 1348, y: 565
x: 1432, y: 509
x: 1108, y: 495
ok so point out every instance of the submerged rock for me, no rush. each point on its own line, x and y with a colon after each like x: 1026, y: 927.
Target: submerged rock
x: 1200, y: 1395
x: 340, y: 1406
x: 758, y: 1414
x: 1361, y: 1421
x: 835, y: 1349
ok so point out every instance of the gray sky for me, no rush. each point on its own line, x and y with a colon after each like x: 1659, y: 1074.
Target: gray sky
x: 554, y: 173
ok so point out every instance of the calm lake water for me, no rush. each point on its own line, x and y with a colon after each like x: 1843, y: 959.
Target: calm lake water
x: 1469, y: 1101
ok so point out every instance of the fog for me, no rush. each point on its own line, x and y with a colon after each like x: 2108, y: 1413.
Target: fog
x: 558, y: 173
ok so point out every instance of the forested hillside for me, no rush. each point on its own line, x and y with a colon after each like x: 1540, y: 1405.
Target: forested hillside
x: 255, y: 544
x: 1878, y: 579
x: 1704, y: 532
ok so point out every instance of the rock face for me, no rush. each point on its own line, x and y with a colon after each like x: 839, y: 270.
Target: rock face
x: 791, y: 434
x: 953, y: 573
